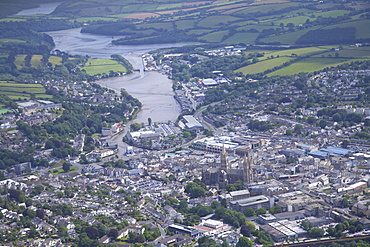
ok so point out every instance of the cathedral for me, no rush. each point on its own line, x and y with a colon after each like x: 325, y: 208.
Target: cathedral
x: 223, y: 174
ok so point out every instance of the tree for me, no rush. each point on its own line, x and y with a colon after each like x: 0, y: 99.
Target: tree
x: 195, y: 190
x: 316, y: 232
x: 135, y: 127
x: 66, y: 167
x: 264, y: 238
x: 244, y: 242
x: 331, y: 231
x: 113, y: 233
x: 261, y: 211
x: 245, y: 230
x: 276, y: 209
x: 298, y: 129
x: 249, y: 212
x: 40, y: 213
x: 91, y: 232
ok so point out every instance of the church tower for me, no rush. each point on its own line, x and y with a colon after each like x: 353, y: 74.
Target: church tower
x: 247, y: 167
x: 224, y: 159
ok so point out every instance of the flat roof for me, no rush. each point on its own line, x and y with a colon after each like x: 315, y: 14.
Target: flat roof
x: 191, y: 122
x: 239, y: 192
x: 251, y: 200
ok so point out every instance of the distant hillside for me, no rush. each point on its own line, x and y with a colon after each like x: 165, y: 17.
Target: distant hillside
x: 227, y: 22
x: 10, y: 7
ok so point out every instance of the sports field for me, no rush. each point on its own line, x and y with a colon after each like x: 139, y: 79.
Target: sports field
x: 100, y: 66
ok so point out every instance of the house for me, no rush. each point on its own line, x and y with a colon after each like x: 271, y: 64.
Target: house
x: 132, y: 228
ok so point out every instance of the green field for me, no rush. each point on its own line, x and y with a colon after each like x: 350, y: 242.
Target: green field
x: 164, y: 25
x: 22, y: 90
x: 333, y: 13
x: 362, y: 28
x: 200, y: 31
x: 265, y: 8
x: 295, y: 20
x: 36, y: 61
x: 60, y: 170
x: 214, y: 37
x: 100, y: 66
x: 12, y: 19
x: 288, y: 38
x: 299, y: 51
x: 214, y: 21
x: 246, y: 38
x: 5, y: 41
x: 86, y: 19
x: 359, y: 52
x: 309, y: 65
x: 185, y: 24
x: 264, y: 65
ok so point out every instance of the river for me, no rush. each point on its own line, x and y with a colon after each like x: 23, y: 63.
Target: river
x: 153, y: 89
x: 43, y: 9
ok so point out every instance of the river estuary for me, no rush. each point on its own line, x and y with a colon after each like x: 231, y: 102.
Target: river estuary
x: 153, y: 89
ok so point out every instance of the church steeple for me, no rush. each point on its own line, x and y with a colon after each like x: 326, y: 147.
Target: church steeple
x: 224, y: 158
x: 247, y: 166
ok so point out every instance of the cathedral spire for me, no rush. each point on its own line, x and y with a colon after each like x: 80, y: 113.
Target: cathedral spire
x: 247, y: 167
x: 224, y: 158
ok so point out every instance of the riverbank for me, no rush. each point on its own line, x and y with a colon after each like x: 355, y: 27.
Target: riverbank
x: 153, y: 89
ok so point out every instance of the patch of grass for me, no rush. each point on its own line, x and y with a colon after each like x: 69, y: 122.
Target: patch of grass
x: 357, y: 52
x: 264, y: 65
x: 300, y: 51
x: 216, y: 20
x: 86, y: 19
x: 287, y: 38
x: 362, y: 28
x: 310, y: 65
x: 185, y: 24
x: 60, y: 170
x: 23, y: 91
x: 163, y: 25
x: 200, y: 31
x: 55, y: 60
x: 11, y: 41
x: 295, y: 20
x: 265, y: 8
x: 327, y: 191
x: 214, y: 37
x: 12, y: 19
x: 100, y: 66
x: 247, y: 38
x: 333, y: 13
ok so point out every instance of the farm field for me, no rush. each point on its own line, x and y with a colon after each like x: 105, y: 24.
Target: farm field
x: 309, y: 65
x: 247, y: 38
x: 214, y: 37
x: 362, y: 28
x: 268, y: 20
x: 333, y: 13
x: 264, y: 65
x: 349, y: 52
x: 312, y: 59
x: 288, y: 38
x: 35, y: 61
x: 22, y: 90
x: 100, y: 66
x: 185, y: 24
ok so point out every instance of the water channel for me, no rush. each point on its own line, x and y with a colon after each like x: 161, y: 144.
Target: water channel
x: 43, y: 9
x: 153, y: 89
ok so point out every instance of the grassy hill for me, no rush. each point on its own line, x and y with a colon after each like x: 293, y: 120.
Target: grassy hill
x: 308, y: 59
x: 229, y: 22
